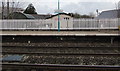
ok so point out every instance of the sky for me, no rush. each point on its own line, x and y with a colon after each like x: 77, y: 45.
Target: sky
x: 68, y: 6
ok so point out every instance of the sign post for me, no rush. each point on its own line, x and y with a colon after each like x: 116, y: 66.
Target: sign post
x: 58, y: 11
x: 58, y: 16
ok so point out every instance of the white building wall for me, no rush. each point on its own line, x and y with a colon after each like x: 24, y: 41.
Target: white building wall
x: 65, y: 21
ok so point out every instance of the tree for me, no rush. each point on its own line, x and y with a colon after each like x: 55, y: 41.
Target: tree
x: 78, y: 16
x: 11, y: 6
x: 75, y: 15
x: 85, y: 16
x: 30, y: 9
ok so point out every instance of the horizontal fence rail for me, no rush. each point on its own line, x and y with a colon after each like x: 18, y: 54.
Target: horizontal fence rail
x: 53, y: 24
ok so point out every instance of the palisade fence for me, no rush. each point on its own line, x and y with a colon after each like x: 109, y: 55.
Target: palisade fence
x: 96, y: 24
x: 66, y: 24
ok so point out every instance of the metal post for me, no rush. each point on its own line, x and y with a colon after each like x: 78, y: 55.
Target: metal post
x: 112, y: 40
x: 98, y: 20
x: 7, y: 9
x: 2, y: 9
x: 58, y: 16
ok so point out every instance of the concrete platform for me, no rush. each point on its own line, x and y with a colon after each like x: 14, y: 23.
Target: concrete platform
x: 62, y: 33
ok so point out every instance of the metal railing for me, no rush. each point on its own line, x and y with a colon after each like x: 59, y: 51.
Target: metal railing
x: 95, y: 24
x: 66, y: 24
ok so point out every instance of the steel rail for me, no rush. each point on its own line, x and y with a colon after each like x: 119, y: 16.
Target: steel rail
x: 64, y: 54
x: 60, y: 66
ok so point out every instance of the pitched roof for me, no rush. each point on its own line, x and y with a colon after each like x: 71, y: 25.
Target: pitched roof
x: 42, y: 16
x: 38, y: 16
x: 110, y: 14
x: 19, y: 15
x: 59, y: 14
x: 28, y: 16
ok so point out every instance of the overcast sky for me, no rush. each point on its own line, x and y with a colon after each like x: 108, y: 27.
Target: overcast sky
x: 76, y: 6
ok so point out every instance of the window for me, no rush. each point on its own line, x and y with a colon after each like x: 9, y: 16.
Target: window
x: 66, y: 18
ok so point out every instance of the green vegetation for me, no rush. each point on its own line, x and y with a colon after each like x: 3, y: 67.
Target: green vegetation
x: 30, y: 9
x: 77, y: 16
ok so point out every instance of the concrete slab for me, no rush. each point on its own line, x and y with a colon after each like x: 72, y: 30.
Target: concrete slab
x: 61, y: 33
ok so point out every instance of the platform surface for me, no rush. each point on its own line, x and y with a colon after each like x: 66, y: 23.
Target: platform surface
x: 62, y: 33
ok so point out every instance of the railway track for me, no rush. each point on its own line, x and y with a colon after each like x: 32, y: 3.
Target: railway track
x: 57, y: 47
x: 61, y: 41
x: 62, y: 51
x: 65, y: 54
x: 64, y: 44
x: 67, y: 58
x: 63, y: 58
x: 56, y: 67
